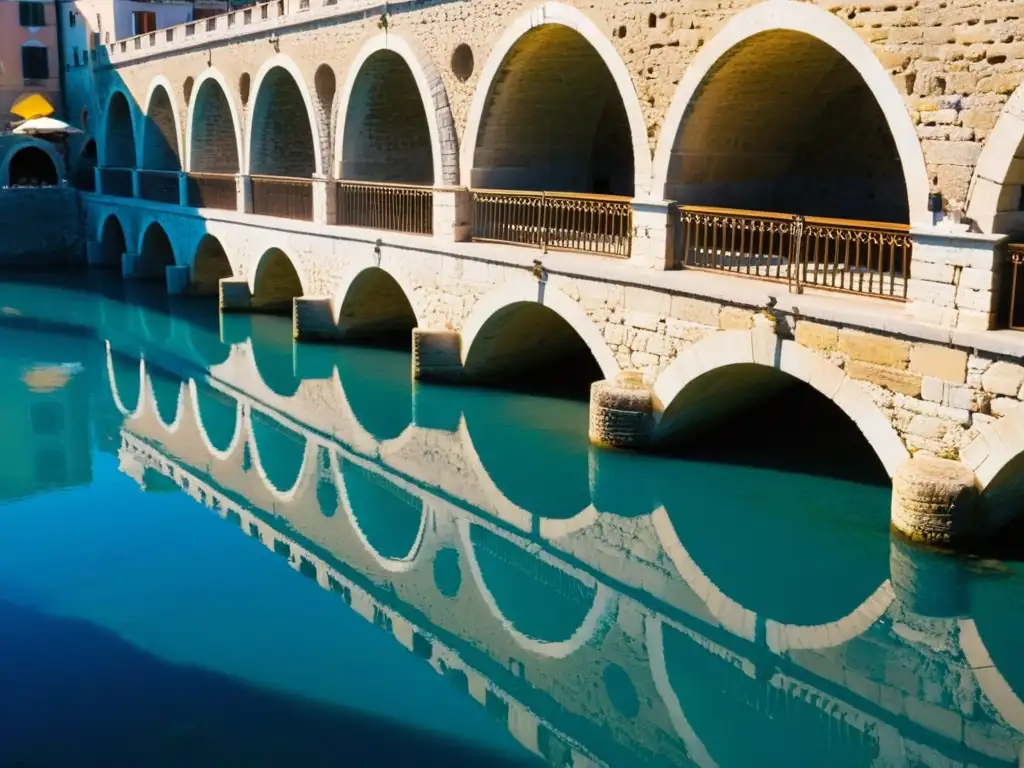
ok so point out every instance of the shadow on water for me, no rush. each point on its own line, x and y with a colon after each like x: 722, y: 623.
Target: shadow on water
x: 797, y: 430
x: 115, y: 705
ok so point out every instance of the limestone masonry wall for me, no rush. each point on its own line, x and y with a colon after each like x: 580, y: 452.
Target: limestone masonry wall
x: 955, y: 62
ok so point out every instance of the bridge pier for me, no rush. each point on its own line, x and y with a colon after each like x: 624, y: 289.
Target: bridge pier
x: 234, y: 295
x: 178, y: 278
x: 929, y: 583
x: 653, y: 236
x: 452, y: 214
x: 437, y: 356
x: 621, y: 412
x: 313, y: 319
x: 934, y: 500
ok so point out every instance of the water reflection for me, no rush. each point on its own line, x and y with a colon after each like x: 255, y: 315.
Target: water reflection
x: 604, y: 607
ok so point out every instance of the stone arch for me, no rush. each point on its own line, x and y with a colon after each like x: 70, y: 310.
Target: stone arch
x: 600, y: 89
x: 390, y: 522
x: 160, y: 128
x: 995, y: 200
x: 275, y: 281
x: 278, y: 142
x: 213, y: 138
x: 372, y: 303
x: 166, y: 393
x: 209, y: 266
x: 113, y: 240
x: 31, y: 160
x: 496, y: 336
x: 118, y: 150
x: 578, y: 623
x: 997, y: 457
x: 285, y: 456
x: 428, y: 126
x: 125, y: 377
x: 325, y: 88
x: 85, y: 166
x: 745, y: 361
x: 155, y: 252
x: 795, y: 38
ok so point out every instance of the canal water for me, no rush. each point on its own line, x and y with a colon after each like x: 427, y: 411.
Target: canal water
x: 221, y: 548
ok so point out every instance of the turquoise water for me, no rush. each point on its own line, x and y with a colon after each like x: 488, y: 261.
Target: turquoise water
x: 220, y: 548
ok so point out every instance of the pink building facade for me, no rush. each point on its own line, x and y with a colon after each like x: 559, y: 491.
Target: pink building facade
x: 29, y: 60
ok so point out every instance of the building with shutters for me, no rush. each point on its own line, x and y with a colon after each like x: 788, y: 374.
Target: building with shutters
x: 28, y: 54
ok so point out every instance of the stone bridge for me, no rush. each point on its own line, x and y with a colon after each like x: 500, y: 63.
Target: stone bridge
x: 408, y: 526
x: 533, y: 188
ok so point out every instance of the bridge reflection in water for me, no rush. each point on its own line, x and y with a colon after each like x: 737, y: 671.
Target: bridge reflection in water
x: 670, y: 625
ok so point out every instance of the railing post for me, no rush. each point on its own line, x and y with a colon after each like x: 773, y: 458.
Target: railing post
x: 796, y: 254
x: 452, y: 212
x: 653, y: 240
x: 543, y: 232
x: 136, y: 183
x: 324, y: 208
x: 243, y: 192
x: 98, y: 180
x: 182, y: 189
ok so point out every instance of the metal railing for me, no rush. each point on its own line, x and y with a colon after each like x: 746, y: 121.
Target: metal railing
x: 116, y: 182
x: 833, y: 254
x: 397, y: 207
x: 564, y: 221
x: 1015, y: 258
x: 159, y: 186
x: 283, y: 197
x: 212, y: 190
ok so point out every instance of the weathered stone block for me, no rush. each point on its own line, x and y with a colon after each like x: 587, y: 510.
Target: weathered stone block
x: 735, y: 319
x: 934, y: 273
x: 869, y: 348
x: 933, y: 499
x: 436, y: 355
x: 930, y: 313
x: 1001, y: 406
x: 821, y: 338
x: 976, y: 279
x: 972, y: 320
x: 1003, y: 379
x: 621, y: 411
x: 695, y: 310
x: 940, y: 294
x: 890, y: 378
x: 978, y: 301
x: 941, y: 362
x: 647, y: 321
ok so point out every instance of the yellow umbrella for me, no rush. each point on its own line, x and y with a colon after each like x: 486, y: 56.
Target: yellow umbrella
x: 31, y: 105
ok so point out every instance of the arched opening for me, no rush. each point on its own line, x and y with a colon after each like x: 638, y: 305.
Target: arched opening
x: 376, y: 310
x: 167, y: 393
x: 378, y: 388
x: 554, y: 120
x: 527, y: 346
x: 390, y: 519
x: 742, y: 718
x: 85, y: 168
x: 160, y: 134
x: 282, y: 136
x: 535, y: 450
x: 723, y: 416
x: 325, y: 84
x: 119, y: 137
x: 214, y: 147
x: 209, y: 267
x: 155, y: 255
x: 217, y: 414
x: 32, y: 167
x: 1002, y: 508
x: 386, y: 136
x: 275, y: 285
x: 784, y: 122
x: 112, y: 242
x: 126, y: 380
x: 541, y: 602
x: 272, y: 347
x: 997, y: 190
x: 281, y: 451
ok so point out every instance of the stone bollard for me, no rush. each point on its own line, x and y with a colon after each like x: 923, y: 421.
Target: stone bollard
x: 934, y: 500
x: 929, y: 583
x: 234, y: 295
x: 621, y: 412
x: 437, y: 356
x: 177, y: 280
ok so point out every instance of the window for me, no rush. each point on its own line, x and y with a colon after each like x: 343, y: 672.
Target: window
x: 35, y: 63
x: 72, y: 18
x: 143, y: 22
x: 75, y: 55
x: 32, y: 14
